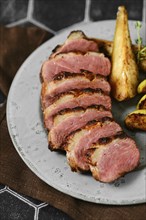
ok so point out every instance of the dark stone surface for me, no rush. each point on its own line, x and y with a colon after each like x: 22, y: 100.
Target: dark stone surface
x: 1, y: 185
x: 34, y: 201
x: 59, y: 14
x: 12, y: 208
x: 53, y: 213
x: 2, y: 97
x: 12, y: 10
x: 105, y: 9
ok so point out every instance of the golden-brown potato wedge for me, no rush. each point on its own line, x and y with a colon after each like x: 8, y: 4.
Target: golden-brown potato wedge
x: 142, y: 87
x: 142, y: 103
x: 124, y: 74
x: 136, y: 120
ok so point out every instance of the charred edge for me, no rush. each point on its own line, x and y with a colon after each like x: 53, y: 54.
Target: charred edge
x: 74, y: 169
x: 68, y: 110
x: 103, y: 141
x: 88, y: 154
x: 56, y: 53
x: 64, y: 54
x: 83, y: 73
x: 64, y: 145
x: 102, y: 120
x: 104, y: 50
x: 90, y: 124
x: 102, y: 45
x: 78, y: 169
x: 83, y: 36
x: 91, y: 75
x: 82, y: 171
x: 55, y: 49
x: 52, y: 148
x: 77, y: 93
x: 93, y: 122
x: 41, y: 76
x: 121, y: 135
x: 107, y: 140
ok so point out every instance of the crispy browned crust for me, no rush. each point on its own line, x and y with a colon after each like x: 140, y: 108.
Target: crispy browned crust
x: 107, y: 140
x: 89, y: 75
x: 100, y: 143
x: 81, y: 32
x: 43, y: 92
x: 76, y: 109
x: 41, y: 77
x: 51, y: 147
x: 65, y: 75
x: 88, y: 126
x: 74, y: 92
x: 78, y: 92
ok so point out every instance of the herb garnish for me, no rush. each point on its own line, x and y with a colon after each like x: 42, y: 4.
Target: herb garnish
x: 141, y: 54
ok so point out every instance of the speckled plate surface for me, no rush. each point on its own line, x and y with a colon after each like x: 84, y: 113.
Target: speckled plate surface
x: 26, y: 129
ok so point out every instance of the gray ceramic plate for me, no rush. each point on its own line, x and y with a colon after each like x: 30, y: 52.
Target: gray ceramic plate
x: 30, y: 139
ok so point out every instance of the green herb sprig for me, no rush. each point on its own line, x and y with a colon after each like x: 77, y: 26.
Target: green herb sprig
x: 141, y: 54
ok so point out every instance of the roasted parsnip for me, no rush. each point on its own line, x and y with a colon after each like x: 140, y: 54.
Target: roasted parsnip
x: 106, y: 47
x: 124, y: 74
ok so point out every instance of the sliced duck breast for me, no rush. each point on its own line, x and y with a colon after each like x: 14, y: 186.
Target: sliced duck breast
x: 77, y: 93
x: 66, y: 81
x: 75, y: 62
x: 114, y: 158
x: 76, y: 105
x: 72, y: 120
x: 80, y: 141
x: 76, y: 41
x: 82, y: 99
